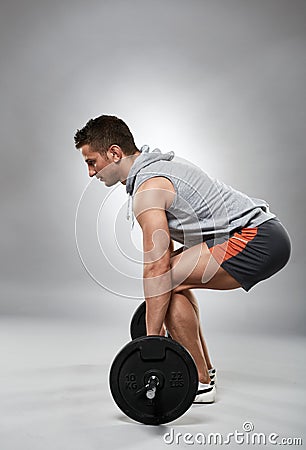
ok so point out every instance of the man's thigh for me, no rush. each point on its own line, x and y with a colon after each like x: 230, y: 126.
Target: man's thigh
x: 196, y: 268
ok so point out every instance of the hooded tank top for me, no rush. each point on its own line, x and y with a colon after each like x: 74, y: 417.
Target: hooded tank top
x: 203, y: 207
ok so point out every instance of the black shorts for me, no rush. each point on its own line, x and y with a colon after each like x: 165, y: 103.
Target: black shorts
x: 254, y: 254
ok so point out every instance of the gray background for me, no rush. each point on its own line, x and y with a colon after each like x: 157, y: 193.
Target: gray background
x: 222, y: 83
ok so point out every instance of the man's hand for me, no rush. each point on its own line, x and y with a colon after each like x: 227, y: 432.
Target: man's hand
x: 163, y: 330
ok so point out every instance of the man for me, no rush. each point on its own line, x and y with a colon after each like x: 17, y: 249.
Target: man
x: 229, y: 239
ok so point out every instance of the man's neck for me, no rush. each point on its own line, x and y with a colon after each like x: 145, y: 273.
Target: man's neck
x: 127, y: 163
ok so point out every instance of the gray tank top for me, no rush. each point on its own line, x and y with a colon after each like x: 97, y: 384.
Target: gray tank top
x: 203, y: 207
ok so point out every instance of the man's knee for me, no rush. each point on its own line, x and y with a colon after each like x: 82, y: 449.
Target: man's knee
x: 180, y: 289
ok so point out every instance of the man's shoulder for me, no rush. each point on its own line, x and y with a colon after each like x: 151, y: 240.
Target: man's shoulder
x: 156, y: 182
x: 157, y: 192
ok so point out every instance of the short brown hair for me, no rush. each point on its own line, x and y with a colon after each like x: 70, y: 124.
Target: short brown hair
x: 102, y: 132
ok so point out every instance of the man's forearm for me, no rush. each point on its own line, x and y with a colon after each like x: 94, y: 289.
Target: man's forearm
x: 157, y: 289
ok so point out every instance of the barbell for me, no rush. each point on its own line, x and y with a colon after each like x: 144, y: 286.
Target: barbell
x: 153, y: 379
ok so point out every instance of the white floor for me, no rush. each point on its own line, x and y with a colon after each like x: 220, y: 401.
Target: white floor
x: 54, y: 390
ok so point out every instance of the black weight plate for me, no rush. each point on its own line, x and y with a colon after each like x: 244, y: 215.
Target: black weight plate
x: 147, y: 356
x: 138, y: 322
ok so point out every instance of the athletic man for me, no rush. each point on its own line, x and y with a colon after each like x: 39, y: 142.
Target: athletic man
x: 229, y: 240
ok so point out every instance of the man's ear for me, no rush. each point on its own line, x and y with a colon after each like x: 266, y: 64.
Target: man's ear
x: 115, y: 153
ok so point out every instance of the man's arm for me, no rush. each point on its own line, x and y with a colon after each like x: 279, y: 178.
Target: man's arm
x: 150, y: 203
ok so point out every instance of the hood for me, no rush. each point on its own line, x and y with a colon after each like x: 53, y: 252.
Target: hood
x: 143, y: 160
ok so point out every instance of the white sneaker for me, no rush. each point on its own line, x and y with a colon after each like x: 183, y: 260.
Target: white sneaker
x: 206, y: 393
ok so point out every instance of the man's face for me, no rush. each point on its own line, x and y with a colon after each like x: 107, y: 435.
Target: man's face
x: 100, y: 166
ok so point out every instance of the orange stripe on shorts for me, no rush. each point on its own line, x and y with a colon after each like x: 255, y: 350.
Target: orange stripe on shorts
x: 235, y: 245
